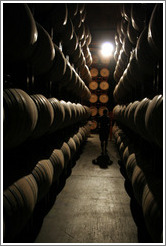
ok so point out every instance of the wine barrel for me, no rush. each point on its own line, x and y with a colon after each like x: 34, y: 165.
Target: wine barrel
x: 126, y: 154
x: 85, y: 74
x: 155, y: 30
x: 83, y: 41
x: 67, y: 77
x: 89, y: 39
x: 138, y: 183
x: 81, y: 61
x: 45, y: 115
x: 93, y: 85
x: 93, y: 110
x: 104, y: 72
x: 59, y: 115
x: 93, y: 98
x: 82, y: 134
x: 152, y: 215
x: 67, y: 154
x: 44, y: 54
x: 77, y: 20
x: 74, y: 57
x: 80, y: 137
x: 74, y: 114
x: 72, y: 145
x: 101, y: 109
x: 139, y: 117
x: 130, y: 115
x: 58, y: 68
x: 83, y: 15
x: 126, y: 11
x: 86, y: 94
x: 104, y: 85
x: 57, y: 160
x: 131, y: 165
x: 144, y: 55
x: 67, y: 120
x: 127, y: 46
x: 93, y: 125
x: 122, y: 147
x: 154, y: 119
x: 103, y: 98
x: 73, y: 84
x: 70, y: 46
x: 138, y: 16
x: 85, y: 49
x: 21, y: 116
x: 89, y: 60
x: 80, y: 31
x: 123, y: 27
x: 94, y: 72
x: 88, y: 111
x: 63, y: 32
x: 132, y: 34
x: 77, y: 141
x: 19, y: 200
x: 43, y: 173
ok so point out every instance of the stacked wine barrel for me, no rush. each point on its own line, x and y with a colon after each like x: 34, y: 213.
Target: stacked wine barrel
x: 99, y: 87
x: 45, y: 112
x: 138, y: 113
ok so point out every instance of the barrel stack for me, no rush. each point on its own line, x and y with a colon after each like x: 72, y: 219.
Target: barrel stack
x: 138, y: 114
x: 45, y: 112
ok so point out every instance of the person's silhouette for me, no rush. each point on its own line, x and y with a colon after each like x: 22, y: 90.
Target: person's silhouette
x: 104, y: 129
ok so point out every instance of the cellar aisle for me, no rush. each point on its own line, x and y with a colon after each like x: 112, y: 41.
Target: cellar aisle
x: 93, y: 207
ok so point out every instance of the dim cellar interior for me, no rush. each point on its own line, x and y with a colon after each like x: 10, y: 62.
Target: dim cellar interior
x: 64, y: 64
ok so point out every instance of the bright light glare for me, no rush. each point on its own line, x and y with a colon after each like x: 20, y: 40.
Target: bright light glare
x: 107, y: 49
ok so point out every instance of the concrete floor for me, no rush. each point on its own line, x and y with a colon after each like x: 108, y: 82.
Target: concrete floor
x: 93, y: 207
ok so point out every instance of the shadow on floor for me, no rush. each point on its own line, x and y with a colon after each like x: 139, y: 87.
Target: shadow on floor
x: 103, y: 161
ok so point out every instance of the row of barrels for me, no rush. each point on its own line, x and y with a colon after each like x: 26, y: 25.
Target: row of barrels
x: 136, y: 63
x: 31, y: 116
x: 67, y: 24
x: 133, y: 21
x: 134, y: 164
x: 102, y: 85
x: 144, y: 117
x: 21, y: 197
x: 97, y: 111
x: 104, y: 72
x: 36, y: 48
x: 103, y: 98
x: 72, y: 83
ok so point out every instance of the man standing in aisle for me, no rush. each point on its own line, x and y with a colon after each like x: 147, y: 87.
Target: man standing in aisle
x: 104, y: 130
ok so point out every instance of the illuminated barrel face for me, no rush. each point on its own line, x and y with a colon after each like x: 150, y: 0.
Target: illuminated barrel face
x: 93, y: 110
x: 93, y: 85
x: 93, y: 98
x: 94, y: 72
x: 104, y: 72
x: 103, y: 98
x: 104, y: 85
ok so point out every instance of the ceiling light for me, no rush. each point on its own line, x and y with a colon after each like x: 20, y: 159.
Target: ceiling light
x: 107, y: 49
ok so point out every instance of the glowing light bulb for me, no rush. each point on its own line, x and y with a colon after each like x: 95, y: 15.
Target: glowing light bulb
x: 107, y: 49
